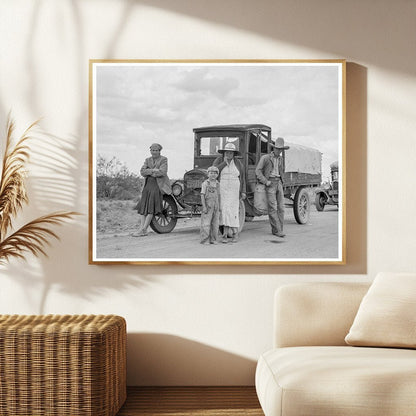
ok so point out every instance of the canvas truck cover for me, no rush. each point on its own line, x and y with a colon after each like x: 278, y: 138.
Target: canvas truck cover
x: 303, y: 159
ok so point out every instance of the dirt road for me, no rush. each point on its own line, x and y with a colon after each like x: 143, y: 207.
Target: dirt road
x: 318, y: 239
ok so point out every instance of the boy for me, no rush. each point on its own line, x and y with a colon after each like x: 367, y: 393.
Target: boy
x: 210, y: 198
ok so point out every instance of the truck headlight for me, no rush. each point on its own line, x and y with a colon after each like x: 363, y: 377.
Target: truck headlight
x: 176, y: 189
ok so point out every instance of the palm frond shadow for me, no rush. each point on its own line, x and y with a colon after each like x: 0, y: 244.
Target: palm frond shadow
x: 60, y: 179
x: 56, y: 181
x: 50, y: 280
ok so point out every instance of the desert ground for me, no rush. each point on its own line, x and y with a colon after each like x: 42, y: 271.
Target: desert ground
x: 117, y: 220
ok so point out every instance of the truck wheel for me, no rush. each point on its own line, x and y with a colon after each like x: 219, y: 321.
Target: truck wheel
x: 301, y: 206
x: 241, y: 215
x: 166, y: 221
x: 320, y: 202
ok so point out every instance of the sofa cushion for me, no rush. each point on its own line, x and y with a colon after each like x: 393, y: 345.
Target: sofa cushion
x: 342, y: 380
x: 386, y: 316
x: 318, y: 313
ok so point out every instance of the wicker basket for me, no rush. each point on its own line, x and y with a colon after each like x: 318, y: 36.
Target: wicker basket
x: 71, y: 365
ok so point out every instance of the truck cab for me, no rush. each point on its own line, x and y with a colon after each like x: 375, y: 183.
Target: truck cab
x: 251, y: 140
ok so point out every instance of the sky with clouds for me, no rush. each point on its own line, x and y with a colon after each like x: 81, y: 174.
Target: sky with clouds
x: 138, y: 104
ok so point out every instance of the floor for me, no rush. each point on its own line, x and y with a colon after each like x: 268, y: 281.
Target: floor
x: 187, y: 401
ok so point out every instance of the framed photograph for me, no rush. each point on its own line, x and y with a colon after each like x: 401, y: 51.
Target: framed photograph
x: 217, y: 162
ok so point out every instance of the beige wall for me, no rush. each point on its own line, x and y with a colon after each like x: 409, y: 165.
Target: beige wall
x: 204, y: 325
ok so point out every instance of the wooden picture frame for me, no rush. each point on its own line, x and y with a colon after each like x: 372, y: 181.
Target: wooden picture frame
x: 192, y: 108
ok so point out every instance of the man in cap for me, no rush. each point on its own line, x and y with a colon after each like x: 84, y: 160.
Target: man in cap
x: 269, y: 172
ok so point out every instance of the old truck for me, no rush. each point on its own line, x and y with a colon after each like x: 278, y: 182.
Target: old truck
x: 327, y: 194
x: 302, y: 172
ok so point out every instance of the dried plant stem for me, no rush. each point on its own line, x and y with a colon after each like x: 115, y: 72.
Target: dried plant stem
x: 32, y: 237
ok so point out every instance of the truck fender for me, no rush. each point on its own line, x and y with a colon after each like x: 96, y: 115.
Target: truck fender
x: 322, y: 192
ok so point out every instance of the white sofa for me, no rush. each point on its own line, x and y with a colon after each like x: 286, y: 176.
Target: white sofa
x: 312, y: 371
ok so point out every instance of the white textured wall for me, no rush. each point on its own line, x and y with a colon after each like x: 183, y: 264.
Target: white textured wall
x: 189, y: 324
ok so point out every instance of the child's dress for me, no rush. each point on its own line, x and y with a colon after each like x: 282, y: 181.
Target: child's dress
x: 211, y: 220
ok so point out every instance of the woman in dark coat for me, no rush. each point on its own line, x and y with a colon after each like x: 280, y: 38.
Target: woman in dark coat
x: 154, y: 169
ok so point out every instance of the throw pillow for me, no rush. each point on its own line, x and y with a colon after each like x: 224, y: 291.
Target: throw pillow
x: 386, y: 316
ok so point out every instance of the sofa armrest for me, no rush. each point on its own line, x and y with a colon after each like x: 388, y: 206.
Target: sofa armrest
x: 315, y: 313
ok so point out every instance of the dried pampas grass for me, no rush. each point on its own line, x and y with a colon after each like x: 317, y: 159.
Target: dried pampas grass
x: 33, y: 236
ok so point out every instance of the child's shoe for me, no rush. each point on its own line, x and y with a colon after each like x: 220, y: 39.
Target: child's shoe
x: 140, y: 233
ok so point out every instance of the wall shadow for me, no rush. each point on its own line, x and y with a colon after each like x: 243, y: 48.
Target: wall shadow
x: 356, y: 169
x: 169, y: 360
x: 54, y: 187
x: 69, y: 182
x: 52, y: 277
x: 60, y: 182
x: 321, y: 25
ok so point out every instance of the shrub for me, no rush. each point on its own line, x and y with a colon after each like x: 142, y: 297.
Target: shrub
x: 115, y: 181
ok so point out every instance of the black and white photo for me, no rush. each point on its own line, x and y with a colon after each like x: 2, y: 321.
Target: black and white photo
x: 211, y: 162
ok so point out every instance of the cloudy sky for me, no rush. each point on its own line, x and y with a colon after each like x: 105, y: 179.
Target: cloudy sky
x: 138, y: 104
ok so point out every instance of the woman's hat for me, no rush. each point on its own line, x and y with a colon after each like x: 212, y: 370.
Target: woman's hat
x: 280, y: 144
x: 156, y: 146
x: 229, y: 147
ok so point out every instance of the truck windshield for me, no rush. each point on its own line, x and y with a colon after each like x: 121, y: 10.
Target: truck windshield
x: 209, y: 146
